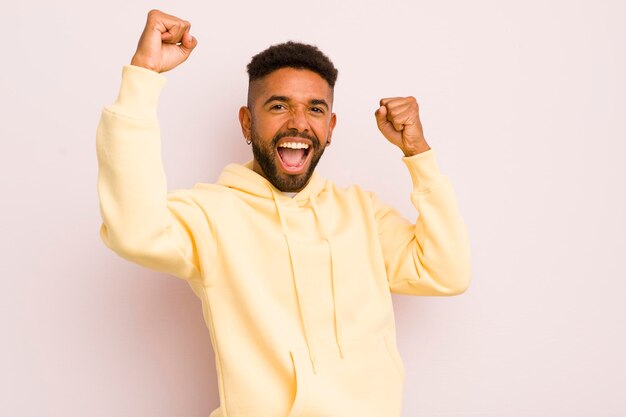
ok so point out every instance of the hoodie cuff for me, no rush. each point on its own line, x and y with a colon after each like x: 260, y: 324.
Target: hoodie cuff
x: 424, y: 170
x: 139, y: 93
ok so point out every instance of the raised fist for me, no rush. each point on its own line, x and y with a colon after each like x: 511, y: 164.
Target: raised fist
x: 165, y: 42
x: 398, y: 120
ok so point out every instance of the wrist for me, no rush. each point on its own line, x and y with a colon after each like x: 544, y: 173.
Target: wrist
x: 415, y: 149
x: 138, y: 61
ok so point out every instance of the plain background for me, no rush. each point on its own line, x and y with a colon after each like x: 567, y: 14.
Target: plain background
x: 523, y: 103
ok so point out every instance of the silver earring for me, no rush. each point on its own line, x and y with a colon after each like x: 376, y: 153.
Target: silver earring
x: 248, y: 141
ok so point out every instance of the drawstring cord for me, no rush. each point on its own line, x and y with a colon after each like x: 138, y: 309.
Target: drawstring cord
x: 338, y: 334
x: 305, y: 327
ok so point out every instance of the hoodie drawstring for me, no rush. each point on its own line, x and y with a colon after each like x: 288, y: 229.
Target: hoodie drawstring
x: 338, y: 335
x: 305, y: 327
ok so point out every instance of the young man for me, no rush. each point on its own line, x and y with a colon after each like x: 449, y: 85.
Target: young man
x: 295, y: 274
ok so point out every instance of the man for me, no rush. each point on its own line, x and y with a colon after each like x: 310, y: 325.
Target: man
x: 295, y: 274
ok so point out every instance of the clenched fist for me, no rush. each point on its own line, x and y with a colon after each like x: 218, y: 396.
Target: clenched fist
x: 398, y: 120
x: 165, y: 42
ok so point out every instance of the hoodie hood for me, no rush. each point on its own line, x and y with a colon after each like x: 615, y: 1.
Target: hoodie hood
x: 244, y: 178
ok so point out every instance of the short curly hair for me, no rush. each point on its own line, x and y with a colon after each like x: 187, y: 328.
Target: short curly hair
x: 292, y: 55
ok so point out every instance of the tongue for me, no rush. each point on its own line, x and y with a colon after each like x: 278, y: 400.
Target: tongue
x: 291, y: 157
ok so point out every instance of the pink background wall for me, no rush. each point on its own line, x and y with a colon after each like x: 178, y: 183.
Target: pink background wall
x: 523, y: 102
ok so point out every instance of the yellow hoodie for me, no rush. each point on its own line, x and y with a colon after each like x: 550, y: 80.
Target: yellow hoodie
x: 296, y: 292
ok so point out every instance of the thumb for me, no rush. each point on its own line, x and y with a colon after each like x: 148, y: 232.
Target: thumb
x: 384, y: 125
x: 381, y: 115
x: 188, y: 43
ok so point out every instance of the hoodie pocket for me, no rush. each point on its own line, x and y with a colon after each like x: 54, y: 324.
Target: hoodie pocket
x: 379, y: 355
x: 301, y: 385
x: 366, y: 382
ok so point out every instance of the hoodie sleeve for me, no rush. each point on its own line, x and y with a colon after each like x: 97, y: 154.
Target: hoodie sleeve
x: 142, y: 222
x: 432, y: 256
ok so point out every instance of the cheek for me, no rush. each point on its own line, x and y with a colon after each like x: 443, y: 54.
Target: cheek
x: 268, y: 127
x: 321, y: 130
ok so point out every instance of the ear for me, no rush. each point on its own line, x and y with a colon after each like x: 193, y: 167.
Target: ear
x: 331, y: 126
x: 245, y: 120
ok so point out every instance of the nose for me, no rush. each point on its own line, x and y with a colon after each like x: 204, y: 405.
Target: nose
x: 298, y: 120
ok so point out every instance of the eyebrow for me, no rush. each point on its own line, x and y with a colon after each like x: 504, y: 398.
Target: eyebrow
x: 319, y: 102
x: 285, y: 99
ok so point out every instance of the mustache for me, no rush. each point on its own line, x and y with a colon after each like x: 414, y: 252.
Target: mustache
x: 303, y: 135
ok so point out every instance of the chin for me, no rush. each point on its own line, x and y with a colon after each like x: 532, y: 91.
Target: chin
x: 288, y: 173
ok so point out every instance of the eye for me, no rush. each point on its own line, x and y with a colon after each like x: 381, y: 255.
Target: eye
x: 278, y: 107
x: 317, y: 110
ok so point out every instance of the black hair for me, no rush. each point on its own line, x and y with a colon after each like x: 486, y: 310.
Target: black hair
x: 293, y: 55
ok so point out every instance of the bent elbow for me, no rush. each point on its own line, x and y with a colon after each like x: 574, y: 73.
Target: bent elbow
x: 461, y: 271
x: 460, y: 287
x: 462, y: 281
x: 126, y: 248
x: 456, y: 280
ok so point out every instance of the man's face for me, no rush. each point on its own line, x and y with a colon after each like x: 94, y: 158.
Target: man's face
x: 290, y: 122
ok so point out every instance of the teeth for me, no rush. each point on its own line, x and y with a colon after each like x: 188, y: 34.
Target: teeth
x: 294, y: 145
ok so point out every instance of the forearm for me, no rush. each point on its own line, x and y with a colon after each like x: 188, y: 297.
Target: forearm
x: 431, y: 257
x: 137, y: 219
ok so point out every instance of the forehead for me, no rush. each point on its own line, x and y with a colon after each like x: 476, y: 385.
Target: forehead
x: 296, y: 84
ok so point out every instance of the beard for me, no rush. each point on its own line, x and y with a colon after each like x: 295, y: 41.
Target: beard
x: 267, y: 156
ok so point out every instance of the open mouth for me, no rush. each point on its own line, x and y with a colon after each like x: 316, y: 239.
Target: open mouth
x: 294, y: 154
